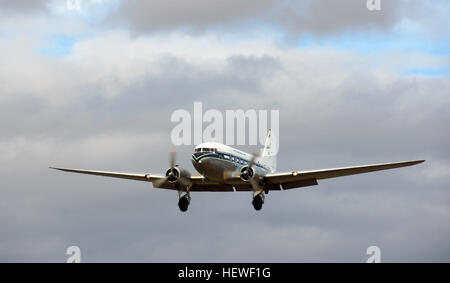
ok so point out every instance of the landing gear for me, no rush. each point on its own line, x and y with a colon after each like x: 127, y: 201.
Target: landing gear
x: 184, y: 201
x: 258, y: 200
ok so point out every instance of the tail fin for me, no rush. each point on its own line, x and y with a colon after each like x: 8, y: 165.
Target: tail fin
x: 269, y: 156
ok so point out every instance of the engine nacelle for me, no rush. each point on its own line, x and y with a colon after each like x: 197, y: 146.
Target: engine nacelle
x: 247, y: 173
x: 174, y: 174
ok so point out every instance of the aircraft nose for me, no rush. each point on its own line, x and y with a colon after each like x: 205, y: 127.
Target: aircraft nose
x: 197, y: 155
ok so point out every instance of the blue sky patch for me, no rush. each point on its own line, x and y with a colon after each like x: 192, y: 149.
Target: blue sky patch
x: 431, y: 72
x: 57, y: 45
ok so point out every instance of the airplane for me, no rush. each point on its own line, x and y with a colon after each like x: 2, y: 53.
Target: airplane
x: 225, y: 169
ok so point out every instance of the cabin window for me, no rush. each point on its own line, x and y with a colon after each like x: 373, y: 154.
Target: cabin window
x: 226, y: 156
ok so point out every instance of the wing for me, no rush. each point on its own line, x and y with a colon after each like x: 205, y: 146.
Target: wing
x: 131, y: 176
x: 296, y: 179
x: 198, y: 182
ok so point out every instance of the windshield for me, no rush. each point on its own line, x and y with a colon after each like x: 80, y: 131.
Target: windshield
x: 206, y: 149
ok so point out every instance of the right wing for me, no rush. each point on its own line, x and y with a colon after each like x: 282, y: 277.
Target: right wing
x: 198, y: 182
x: 131, y: 176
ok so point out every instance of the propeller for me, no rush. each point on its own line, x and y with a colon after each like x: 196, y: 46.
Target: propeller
x: 173, y: 174
x: 248, y: 169
x: 250, y: 165
x: 172, y: 155
x: 254, y: 156
x: 233, y: 174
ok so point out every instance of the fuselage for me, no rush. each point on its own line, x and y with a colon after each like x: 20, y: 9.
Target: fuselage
x: 213, y: 160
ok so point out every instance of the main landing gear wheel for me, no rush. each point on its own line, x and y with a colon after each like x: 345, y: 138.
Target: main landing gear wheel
x: 258, y: 201
x: 183, y: 202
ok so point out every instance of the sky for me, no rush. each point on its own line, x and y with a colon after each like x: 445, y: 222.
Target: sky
x: 94, y: 86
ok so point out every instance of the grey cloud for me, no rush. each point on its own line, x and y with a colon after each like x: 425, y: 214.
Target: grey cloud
x: 293, y: 18
x: 178, y: 82
x: 328, y: 16
x: 23, y: 7
x: 320, y: 17
x: 198, y: 14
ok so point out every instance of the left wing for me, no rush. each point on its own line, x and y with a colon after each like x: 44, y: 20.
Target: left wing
x: 295, y: 179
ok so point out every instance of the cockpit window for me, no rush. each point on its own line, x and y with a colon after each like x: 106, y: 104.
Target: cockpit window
x: 206, y: 149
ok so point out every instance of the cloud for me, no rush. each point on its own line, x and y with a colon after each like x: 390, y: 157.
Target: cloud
x: 198, y: 14
x: 327, y: 16
x: 23, y: 7
x: 292, y: 18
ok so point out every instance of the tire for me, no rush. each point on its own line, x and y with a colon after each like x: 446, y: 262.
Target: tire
x: 183, y: 204
x: 257, y: 202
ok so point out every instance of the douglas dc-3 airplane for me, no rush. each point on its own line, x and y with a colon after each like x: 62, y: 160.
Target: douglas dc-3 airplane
x: 226, y: 169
